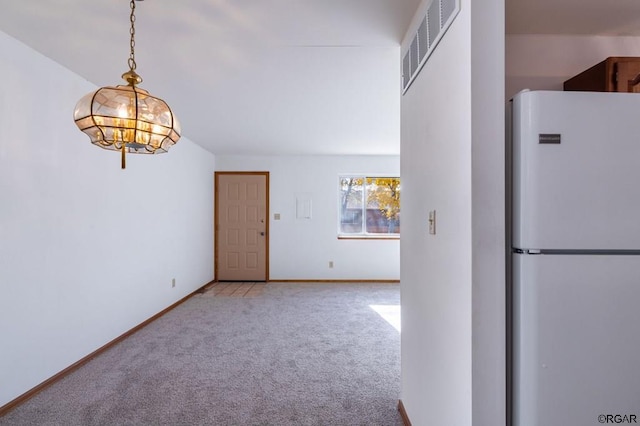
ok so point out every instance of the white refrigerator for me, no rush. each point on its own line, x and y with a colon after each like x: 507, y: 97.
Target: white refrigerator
x: 575, y: 258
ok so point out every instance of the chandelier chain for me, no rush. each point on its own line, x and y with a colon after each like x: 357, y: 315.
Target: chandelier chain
x: 132, y: 31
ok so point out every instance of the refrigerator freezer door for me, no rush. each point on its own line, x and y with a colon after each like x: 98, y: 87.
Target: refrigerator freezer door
x: 576, y: 170
x: 576, y: 342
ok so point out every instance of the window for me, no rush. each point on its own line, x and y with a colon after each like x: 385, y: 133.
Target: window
x: 369, y: 206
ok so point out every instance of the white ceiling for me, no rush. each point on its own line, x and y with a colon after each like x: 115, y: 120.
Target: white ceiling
x: 272, y: 76
x: 573, y: 17
x: 243, y: 76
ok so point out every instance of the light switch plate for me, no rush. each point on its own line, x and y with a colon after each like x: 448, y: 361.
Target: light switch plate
x: 432, y: 222
x: 276, y: 216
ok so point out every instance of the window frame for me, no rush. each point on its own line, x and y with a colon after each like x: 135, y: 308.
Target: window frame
x: 363, y: 235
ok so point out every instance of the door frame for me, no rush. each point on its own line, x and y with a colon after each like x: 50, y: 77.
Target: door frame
x: 216, y: 219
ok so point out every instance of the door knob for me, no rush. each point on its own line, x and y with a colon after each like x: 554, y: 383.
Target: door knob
x: 262, y: 233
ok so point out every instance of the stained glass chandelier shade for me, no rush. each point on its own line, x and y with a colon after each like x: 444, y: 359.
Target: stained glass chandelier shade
x: 127, y: 118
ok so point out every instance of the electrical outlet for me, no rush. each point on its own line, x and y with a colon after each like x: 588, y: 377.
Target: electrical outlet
x: 331, y: 264
x: 173, y: 282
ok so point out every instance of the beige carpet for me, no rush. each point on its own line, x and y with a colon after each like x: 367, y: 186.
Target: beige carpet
x: 295, y: 354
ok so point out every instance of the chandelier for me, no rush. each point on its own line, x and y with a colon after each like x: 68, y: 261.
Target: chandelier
x: 127, y: 118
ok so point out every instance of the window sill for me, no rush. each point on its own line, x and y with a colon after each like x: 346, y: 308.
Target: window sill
x: 369, y: 237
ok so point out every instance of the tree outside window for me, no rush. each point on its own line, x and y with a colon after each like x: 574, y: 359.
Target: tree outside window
x: 369, y: 206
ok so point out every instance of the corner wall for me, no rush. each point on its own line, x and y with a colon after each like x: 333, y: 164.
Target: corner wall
x: 87, y: 250
x: 488, y: 213
x: 302, y: 249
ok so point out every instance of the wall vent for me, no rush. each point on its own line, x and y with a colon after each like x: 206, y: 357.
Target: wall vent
x: 433, y: 20
x: 447, y: 8
x: 423, y: 39
x: 439, y: 16
x: 414, y: 56
x: 406, y: 65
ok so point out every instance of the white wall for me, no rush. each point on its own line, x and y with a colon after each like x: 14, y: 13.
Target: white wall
x: 544, y: 62
x: 87, y: 251
x: 453, y: 365
x: 436, y: 269
x: 302, y: 249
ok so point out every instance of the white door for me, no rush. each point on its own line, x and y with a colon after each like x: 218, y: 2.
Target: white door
x: 576, y: 338
x: 241, y: 226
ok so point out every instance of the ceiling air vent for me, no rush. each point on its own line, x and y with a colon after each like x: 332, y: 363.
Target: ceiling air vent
x: 437, y: 19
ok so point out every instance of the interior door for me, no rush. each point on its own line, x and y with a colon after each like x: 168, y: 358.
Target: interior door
x: 241, y: 226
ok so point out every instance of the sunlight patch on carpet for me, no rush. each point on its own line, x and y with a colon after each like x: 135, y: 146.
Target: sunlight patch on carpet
x: 390, y: 313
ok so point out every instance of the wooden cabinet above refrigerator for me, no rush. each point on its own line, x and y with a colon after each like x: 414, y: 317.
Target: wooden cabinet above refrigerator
x: 614, y: 74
